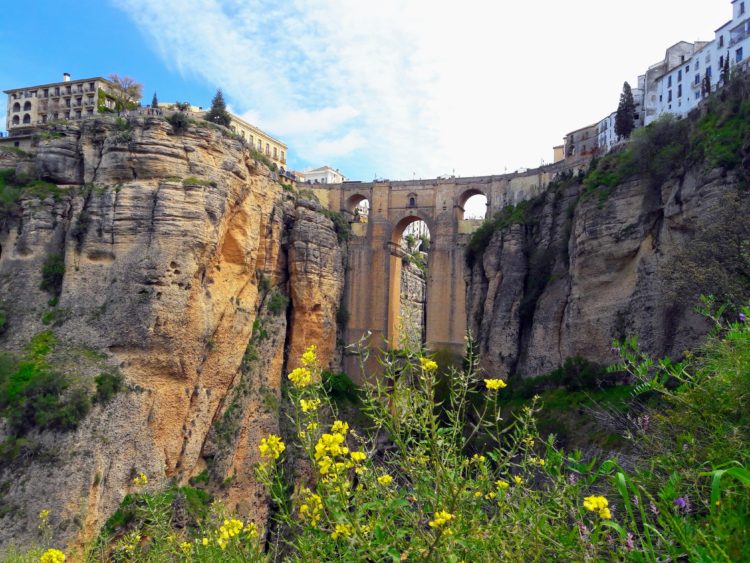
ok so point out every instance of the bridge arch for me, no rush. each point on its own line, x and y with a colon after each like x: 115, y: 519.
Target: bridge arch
x: 396, y: 259
x: 472, y: 194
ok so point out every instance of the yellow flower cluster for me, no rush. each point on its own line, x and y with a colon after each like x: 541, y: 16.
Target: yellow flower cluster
x: 309, y: 406
x: 517, y: 480
x: 309, y: 357
x: 441, y: 519
x: 385, y: 479
x: 341, y: 530
x: 358, y: 457
x: 427, y: 364
x: 502, y: 485
x: 271, y: 447
x: 186, y: 547
x: 340, y: 427
x: 329, y: 447
x: 140, y: 479
x: 494, y: 384
x: 300, y: 377
x: 227, y: 531
x: 312, y: 509
x: 598, y: 505
x: 52, y: 556
x: 44, y: 514
x: 537, y: 461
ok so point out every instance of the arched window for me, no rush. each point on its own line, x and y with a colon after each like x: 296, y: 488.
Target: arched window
x: 27, y: 106
x: 268, y: 149
x: 473, y: 205
x: 16, y: 107
x: 412, y: 201
x: 26, y: 118
x: 16, y: 120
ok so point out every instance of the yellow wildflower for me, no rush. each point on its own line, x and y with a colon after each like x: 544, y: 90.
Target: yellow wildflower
x: 441, y: 519
x: 251, y: 530
x: 186, y: 547
x: 427, y: 364
x: 537, y: 461
x: 385, y: 479
x: 271, y: 447
x: 312, y: 426
x: 300, y: 377
x: 309, y: 358
x: 140, y: 479
x: 476, y: 458
x: 52, y: 556
x: 529, y: 441
x: 502, y: 485
x: 491, y: 495
x: 358, y: 456
x: 478, y: 494
x: 309, y: 406
x: 205, y: 541
x: 518, y: 480
x: 494, y: 384
x: 341, y: 530
x: 312, y: 509
x: 598, y: 505
x: 44, y: 514
x: 340, y: 427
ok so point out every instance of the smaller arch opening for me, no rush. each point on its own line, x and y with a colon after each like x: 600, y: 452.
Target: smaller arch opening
x: 16, y: 120
x: 16, y: 107
x: 473, y: 205
x: 27, y: 119
x: 27, y: 106
x: 359, y: 206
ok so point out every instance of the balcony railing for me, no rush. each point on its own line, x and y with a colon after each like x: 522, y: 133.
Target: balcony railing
x: 739, y: 36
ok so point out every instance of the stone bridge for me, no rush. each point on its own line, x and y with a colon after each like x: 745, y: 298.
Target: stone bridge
x: 373, y: 277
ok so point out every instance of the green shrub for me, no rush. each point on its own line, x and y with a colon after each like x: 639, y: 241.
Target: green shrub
x: 277, y: 304
x: 55, y: 317
x: 180, y: 122
x: 510, y: 215
x: 107, y: 386
x: 53, y: 271
x: 340, y: 224
x: 340, y: 387
x: 79, y: 230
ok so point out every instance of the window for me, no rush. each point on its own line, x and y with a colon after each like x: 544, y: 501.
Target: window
x: 721, y: 41
x: 687, y: 69
x: 78, y: 114
x: 275, y: 155
x: 16, y: 120
x: 91, y: 86
x: 661, y: 98
x: 46, y: 92
x: 16, y: 107
x: 697, y: 95
x: 721, y: 61
x: 669, y: 82
x: 697, y: 65
x: 738, y: 55
x: 697, y: 79
x: 260, y: 146
x: 679, y: 91
x: 708, y: 71
x: 27, y: 119
x: 679, y: 75
x: 67, y: 89
x: 268, y: 149
x: 57, y: 90
x: 27, y: 106
x: 282, y: 157
x: 412, y: 202
x: 742, y: 8
x: 669, y: 98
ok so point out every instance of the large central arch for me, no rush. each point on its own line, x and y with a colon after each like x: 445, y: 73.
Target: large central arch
x: 394, y: 282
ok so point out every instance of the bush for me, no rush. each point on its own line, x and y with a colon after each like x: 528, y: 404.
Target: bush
x: 180, y: 122
x: 510, y: 215
x: 340, y: 387
x: 277, y: 304
x: 107, y: 386
x: 53, y: 271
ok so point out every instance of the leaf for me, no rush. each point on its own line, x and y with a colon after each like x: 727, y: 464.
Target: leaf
x: 615, y: 526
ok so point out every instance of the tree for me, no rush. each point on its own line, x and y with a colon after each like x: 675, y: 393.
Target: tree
x: 625, y: 113
x: 218, y: 113
x: 126, y: 92
x: 154, y: 101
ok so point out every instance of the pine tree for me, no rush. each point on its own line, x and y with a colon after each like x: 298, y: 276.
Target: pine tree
x: 625, y: 113
x: 154, y: 101
x: 218, y: 113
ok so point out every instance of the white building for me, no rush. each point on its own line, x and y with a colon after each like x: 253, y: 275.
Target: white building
x: 323, y: 175
x: 680, y: 82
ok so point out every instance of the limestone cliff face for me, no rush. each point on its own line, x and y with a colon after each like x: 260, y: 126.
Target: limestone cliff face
x: 580, y: 272
x: 176, y: 273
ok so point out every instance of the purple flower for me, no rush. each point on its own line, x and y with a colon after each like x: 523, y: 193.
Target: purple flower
x: 743, y: 317
x: 615, y: 349
x: 653, y: 508
x: 629, y: 542
x: 680, y: 503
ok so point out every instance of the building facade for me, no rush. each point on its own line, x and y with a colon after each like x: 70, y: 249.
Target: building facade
x: 607, y: 136
x: 70, y: 99
x: 323, y: 175
x: 260, y: 140
x: 583, y: 142
x: 679, y: 85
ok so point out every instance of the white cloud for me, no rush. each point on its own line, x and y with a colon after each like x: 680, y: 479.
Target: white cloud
x: 414, y: 87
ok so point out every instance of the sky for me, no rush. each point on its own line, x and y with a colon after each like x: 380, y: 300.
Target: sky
x: 389, y: 89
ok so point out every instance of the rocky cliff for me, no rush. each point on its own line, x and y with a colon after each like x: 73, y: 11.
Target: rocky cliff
x: 188, y: 270
x: 572, y: 270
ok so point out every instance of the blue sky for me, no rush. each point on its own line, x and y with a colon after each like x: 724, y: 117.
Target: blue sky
x: 394, y: 88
